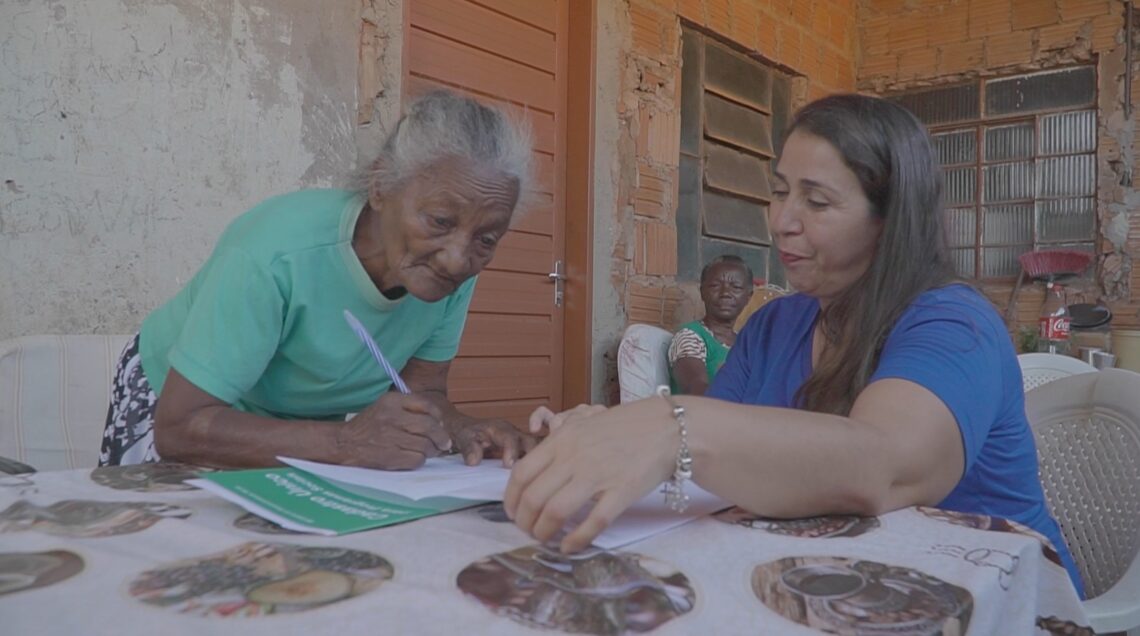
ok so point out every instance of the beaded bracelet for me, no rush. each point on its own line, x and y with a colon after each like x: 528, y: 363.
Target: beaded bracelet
x: 674, y: 489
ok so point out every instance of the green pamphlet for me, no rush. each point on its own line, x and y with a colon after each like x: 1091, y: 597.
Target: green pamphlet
x: 304, y: 502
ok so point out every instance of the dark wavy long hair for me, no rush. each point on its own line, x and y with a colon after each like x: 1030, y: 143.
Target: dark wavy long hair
x: 893, y: 157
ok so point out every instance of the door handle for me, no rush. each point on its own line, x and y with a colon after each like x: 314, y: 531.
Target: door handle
x: 559, y: 280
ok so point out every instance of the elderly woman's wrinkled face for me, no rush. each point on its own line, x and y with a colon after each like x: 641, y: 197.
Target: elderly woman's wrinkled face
x: 821, y: 221
x: 725, y: 290
x: 443, y: 226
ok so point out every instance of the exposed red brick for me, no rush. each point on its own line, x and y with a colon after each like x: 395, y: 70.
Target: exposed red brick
x: 819, y: 25
x: 885, y: 65
x: 655, y: 248
x: 839, y: 30
x: 648, y: 28
x: 811, y: 63
x: 744, y: 24
x: 645, y: 304
x: 654, y: 192
x: 886, y: 7
x: 664, y: 137
x: 833, y: 65
x: 802, y: 12
x: 989, y: 17
x: 766, y: 29
x: 1060, y: 36
x: 1009, y: 48
x: 846, y: 80
x: 908, y: 33
x: 1107, y: 32
x: 1081, y: 9
x: 918, y: 63
x: 789, y: 46
x: 962, y: 57
x: 719, y: 16
x: 873, y: 36
x: 1029, y: 14
x: 693, y: 11
x: 951, y: 24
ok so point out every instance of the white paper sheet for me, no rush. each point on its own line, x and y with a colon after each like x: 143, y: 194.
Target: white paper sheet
x: 438, y: 477
x: 450, y: 477
x: 650, y: 516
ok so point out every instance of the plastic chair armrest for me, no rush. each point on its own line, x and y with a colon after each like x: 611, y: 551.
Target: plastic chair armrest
x: 1118, y: 609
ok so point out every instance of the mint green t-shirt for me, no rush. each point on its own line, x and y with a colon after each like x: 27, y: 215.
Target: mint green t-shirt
x: 261, y: 325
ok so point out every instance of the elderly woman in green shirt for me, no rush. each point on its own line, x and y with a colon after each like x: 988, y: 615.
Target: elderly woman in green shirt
x: 699, y: 348
x: 253, y: 359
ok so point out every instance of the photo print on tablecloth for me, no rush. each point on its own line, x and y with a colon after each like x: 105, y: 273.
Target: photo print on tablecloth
x: 493, y: 512
x: 21, y: 571
x: 255, y: 579
x: 861, y: 598
x: 1002, y: 563
x: 82, y: 519
x: 150, y: 477
x: 591, y: 592
x: 22, y: 485
x: 260, y: 525
x: 993, y: 524
x: 1058, y: 627
x: 825, y: 527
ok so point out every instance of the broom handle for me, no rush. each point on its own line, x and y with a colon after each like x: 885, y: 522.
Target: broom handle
x: 1011, y: 306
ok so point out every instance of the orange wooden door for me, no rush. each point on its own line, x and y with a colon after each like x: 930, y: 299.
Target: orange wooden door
x: 509, y: 52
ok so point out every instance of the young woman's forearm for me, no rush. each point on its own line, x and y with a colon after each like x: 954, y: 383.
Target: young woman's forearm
x: 785, y: 462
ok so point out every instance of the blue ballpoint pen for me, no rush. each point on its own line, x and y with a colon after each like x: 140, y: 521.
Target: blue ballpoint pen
x: 369, y: 342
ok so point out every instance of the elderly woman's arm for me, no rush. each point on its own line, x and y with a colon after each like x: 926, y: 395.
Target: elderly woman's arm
x: 192, y: 426
x: 901, y: 446
x: 691, y: 375
x: 687, y: 360
x: 472, y: 437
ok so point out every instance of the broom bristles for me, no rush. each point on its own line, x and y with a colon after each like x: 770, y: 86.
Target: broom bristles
x: 1043, y: 263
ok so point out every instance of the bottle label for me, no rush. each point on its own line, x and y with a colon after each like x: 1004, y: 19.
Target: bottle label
x: 1053, y: 327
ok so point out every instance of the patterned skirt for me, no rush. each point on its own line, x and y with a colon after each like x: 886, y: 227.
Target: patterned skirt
x: 128, y: 436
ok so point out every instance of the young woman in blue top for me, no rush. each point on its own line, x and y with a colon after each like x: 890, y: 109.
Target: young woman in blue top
x: 883, y: 383
x: 253, y: 359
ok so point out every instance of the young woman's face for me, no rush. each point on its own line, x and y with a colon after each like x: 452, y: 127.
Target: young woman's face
x: 821, y: 221
x: 443, y: 226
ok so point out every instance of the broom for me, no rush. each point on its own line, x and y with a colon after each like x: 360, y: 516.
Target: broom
x: 1049, y: 265
x: 1045, y: 265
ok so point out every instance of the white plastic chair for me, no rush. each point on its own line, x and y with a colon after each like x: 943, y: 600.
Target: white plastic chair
x: 642, y: 361
x: 54, y: 392
x: 1087, y: 429
x: 1043, y: 368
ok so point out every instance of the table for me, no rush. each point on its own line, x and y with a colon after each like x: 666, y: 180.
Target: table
x: 131, y: 550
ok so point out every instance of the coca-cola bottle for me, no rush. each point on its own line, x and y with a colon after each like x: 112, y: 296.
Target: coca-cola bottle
x: 1053, y: 325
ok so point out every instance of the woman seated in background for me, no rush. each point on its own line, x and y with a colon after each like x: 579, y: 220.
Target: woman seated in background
x: 700, y: 347
x: 884, y: 383
x: 253, y: 358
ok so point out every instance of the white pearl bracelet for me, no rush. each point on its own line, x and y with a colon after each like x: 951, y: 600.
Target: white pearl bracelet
x: 674, y: 489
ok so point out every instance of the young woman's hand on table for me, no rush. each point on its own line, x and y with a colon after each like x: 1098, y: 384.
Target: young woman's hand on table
x: 595, y: 464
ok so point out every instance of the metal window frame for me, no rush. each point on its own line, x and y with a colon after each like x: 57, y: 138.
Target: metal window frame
x: 979, y: 125
x: 706, y: 40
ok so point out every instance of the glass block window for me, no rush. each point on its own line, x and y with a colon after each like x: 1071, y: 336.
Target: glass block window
x: 734, y: 109
x: 1019, y: 163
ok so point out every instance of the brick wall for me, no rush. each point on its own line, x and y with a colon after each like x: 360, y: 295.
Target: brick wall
x: 910, y: 43
x: 812, y: 39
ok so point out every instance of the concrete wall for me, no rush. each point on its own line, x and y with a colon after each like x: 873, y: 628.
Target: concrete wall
x: 132, y: 132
